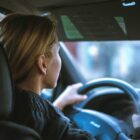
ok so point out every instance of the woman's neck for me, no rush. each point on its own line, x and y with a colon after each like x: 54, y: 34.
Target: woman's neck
x: 31, y: 85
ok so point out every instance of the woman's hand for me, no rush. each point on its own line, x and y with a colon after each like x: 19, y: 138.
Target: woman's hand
x: 69, y: 96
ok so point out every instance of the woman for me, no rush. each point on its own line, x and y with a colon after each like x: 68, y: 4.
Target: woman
x: 32, y: 47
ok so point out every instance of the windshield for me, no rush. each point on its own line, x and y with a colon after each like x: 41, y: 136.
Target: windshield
x: 117, y: 59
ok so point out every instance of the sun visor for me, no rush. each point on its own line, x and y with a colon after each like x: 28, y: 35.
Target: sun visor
x: 101, y: 21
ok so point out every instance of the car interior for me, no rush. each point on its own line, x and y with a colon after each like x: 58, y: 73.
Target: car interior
x: 112, y: 109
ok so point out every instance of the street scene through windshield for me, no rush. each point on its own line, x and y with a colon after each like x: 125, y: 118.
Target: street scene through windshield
x: 117, y: 59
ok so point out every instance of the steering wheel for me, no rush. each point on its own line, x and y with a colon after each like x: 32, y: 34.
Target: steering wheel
x: 101, y: 125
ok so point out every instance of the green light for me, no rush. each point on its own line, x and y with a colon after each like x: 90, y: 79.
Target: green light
x: 121, y: 23
x: 69, y: 28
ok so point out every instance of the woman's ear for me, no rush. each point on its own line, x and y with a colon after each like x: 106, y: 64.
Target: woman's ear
x: 42, y: 64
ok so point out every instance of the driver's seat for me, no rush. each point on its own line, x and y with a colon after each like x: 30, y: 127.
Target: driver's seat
x: 10, y: 130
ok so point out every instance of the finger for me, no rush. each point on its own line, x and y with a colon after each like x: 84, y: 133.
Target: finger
x: 78, y: 85
x: 81, y: 98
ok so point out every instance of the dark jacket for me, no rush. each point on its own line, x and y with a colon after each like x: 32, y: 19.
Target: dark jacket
x: 33, y: 111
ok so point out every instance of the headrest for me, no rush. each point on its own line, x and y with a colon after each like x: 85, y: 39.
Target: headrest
x: 6, y: 86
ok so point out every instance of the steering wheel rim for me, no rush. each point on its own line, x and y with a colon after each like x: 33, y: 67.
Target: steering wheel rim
x: 112, y: 82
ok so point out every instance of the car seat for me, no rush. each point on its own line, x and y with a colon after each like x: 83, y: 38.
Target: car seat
x: 10, y: 130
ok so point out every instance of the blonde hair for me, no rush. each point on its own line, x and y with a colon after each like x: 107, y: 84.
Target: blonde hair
x: 24, y: 38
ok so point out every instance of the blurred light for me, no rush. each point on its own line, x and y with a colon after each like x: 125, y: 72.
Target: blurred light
x: 129, y: 4
x: 136, y: 120
x: 46, y: 14
x: 93, y: 50
x: 1, y: 16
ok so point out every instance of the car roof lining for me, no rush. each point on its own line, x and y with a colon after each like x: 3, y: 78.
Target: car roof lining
x: 44, y: 4
x: 94, y: 19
